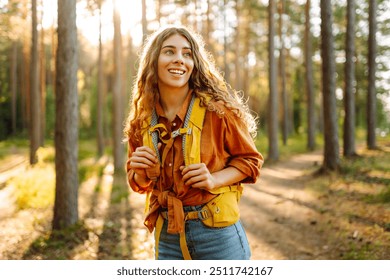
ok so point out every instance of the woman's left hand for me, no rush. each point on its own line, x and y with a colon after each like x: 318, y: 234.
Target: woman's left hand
x: 198, y: 176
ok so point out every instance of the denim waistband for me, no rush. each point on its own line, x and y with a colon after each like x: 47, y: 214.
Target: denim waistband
x: 188, y: 208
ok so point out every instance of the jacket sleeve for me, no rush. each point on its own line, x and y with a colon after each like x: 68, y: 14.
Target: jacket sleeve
x: 240, y: 146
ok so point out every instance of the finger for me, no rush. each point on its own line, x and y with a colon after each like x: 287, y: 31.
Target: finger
x: 142, y: 160
x: 196, y: 179
x: 191, y: 167
x: 191, y: 173
x: 139, y: 165
x: 200, y: 185
x: 146, y: 154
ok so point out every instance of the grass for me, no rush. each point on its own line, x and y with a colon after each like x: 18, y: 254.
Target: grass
x: 52, y: 244
x: 35, y: 188
x: 357, y: 204
x: 296, y: 144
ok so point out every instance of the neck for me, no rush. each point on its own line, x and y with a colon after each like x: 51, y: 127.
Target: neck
x: 172, y: 100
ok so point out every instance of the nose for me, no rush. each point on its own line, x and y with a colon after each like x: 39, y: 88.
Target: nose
x: 179, y: 58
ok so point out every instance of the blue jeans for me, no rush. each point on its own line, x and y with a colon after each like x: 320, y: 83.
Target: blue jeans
x: 205, y: 243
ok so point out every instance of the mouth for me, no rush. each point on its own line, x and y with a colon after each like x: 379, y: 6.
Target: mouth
x: 176, y: 71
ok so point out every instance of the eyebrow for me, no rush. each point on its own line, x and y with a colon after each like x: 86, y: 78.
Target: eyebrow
x: 173, y: 47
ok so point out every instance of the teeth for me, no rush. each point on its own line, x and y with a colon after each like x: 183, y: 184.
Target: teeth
x: 180, y: 72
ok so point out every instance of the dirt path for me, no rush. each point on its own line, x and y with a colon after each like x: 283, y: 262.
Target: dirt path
x: 278, y: 214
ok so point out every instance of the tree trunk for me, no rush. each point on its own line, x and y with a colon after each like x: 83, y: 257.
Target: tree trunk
x: 349, y: 93
x: 118, y: 149
x: 42, y: 75
x: 282, y: 63
x: 35, y: 118
x: 225, y: 44
x: 245, y: 66
x: 311, y: 144
x: 371, y: 96
x: 144, y: 21
x: 158, y: 15
x: 209, y: 28
x: 237, y: 58
x: 99, y: 109
x: 273, y: 149
x: 331, y: 149
x: 14, y: 78
x: 66, y: 125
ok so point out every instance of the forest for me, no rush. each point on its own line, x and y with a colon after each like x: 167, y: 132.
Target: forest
x: 315, y: 73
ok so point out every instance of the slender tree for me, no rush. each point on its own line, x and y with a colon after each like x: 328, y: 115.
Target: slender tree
x: 99, y: 109
x: 144, y: 21
x: 42, y: 76
x: 35, y: 100
x: 225, y: 43
x: 118, y: 111
x: 311, y: 144
x: 282, y: 72
x: 13, y: 76
x: 331, y: 144
x: 66, y: 124
x: 349, y: 92
x: 371, y: 95
x: 273, y: 148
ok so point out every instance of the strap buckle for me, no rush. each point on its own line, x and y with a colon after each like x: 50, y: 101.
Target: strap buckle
x: 203, y: 214
x: 184, y: 130
x: 175, y: 133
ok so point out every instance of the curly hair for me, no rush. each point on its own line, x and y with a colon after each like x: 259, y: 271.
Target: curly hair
x: 205, y: 81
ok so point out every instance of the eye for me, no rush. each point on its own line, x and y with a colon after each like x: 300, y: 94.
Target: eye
x: 168, y: 52
x: 187, y: 54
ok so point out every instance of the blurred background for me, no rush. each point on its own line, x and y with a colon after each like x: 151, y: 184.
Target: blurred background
x: 316, y: 74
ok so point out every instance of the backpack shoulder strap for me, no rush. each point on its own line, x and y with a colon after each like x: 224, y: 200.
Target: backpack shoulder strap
x: 191, y: 142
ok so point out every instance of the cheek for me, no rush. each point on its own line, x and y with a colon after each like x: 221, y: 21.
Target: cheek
x: 190, y: 66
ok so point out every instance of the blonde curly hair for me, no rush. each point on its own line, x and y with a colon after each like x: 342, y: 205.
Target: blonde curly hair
x: 205, y: 81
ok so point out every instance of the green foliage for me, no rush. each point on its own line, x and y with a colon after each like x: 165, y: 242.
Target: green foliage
x: 296, y: 144
x: 12, y: 144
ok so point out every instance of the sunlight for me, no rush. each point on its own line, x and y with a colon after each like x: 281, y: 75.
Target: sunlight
x: 88, y: 21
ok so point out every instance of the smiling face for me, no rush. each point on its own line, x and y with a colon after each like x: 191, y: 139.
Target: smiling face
x: 175, y: 64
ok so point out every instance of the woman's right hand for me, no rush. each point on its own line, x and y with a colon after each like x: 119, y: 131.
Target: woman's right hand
x: 142, y: 159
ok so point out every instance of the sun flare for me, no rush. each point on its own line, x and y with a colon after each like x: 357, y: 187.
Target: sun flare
x: 88, y: 21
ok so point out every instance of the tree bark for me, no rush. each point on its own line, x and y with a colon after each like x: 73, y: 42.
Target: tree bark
x: 349, y: 92
x: 35, y: 100
x: 14, y: 78
x: 99, y: 109
x: 273, y: 149
x: 371, y: 95
x: 118, y: 148
x: 311, y: 121
x: 42, y: 90
x: 144, y: 21
x: 282, y: 69
x: 66, y: 125
x: 331, y: 144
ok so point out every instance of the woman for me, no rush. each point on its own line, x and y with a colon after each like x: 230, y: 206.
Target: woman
x: 174, y: 74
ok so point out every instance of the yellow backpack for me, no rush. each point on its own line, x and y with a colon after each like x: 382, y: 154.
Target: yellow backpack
x: 222, y: 210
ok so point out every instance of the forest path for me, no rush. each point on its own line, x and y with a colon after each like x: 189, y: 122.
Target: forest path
x: 279, y: 215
